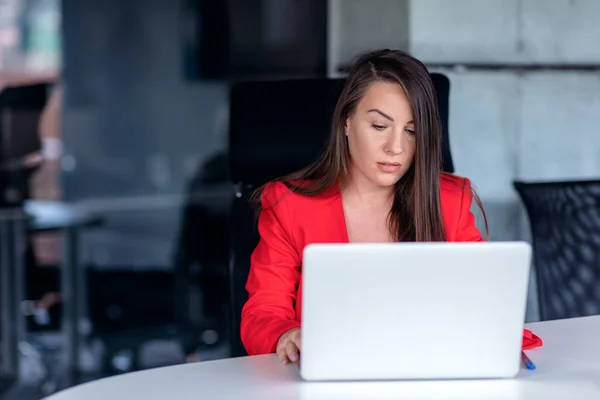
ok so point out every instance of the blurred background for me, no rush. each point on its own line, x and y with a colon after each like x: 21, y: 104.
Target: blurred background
x: 120, y: 226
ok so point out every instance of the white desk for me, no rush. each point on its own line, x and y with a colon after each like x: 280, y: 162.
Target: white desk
x: 568, y: 367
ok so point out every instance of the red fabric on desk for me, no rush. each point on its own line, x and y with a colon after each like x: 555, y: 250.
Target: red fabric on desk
x: 531, y: 340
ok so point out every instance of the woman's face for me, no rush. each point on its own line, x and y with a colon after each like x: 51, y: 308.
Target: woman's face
x: 381, y: 135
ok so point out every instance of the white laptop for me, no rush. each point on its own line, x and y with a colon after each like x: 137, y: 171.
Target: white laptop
x: 413, y: 310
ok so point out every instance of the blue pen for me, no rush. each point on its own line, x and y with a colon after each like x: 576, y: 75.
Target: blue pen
x: 528, y: 363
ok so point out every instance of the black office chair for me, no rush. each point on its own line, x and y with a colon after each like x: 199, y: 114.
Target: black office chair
x: 201, y: 261
x: 20, y: 111
x: 278, y: 127
x: 565, y: 226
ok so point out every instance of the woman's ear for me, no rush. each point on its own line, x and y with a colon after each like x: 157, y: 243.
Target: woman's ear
x: 346, y: 126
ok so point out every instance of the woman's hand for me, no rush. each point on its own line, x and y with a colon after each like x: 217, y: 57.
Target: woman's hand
x: 288, y: 346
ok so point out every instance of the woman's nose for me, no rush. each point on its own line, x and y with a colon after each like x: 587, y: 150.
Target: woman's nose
x: 395, y: 144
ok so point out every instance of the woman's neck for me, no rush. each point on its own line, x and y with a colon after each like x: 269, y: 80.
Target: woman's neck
x: 362, y: 192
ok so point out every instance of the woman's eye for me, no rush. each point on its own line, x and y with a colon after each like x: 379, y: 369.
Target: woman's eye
x: 378, y: 127
x: 410, y: 132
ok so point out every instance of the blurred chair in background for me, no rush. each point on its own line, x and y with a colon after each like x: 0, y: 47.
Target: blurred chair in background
x: 565, y: 226
x: 202, y: 255
x: 277, y: 127
x: 182, y: 307
x: 22, y: 102
x: 21, y: 108
x: 20, y: 111
x: 129, y: 311
x: 25, y: 115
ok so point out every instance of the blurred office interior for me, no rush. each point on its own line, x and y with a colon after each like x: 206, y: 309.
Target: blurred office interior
x: 116, y: 180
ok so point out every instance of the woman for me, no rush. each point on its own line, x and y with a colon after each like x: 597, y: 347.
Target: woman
x: 378, y: 180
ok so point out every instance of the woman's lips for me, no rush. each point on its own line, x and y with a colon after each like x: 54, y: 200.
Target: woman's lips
x: 389, y: 167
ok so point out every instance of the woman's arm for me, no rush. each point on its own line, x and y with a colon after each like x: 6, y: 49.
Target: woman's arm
x: 466, y: 229
x: 274, y: 278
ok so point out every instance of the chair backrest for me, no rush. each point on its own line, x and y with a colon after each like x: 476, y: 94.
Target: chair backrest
x: 277, y: 127
x: 20, y: 111
x: 565, y: 226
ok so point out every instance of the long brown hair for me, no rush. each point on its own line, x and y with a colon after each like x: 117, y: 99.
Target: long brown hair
x: 416, y: 212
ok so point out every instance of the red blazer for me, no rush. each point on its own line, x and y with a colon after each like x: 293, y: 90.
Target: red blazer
x: 288, y: 223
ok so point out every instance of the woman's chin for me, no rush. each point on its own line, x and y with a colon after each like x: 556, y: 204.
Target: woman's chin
x: 387, y: 181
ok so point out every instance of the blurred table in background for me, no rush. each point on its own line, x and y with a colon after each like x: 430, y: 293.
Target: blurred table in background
x: 15, y: 224
x: 70, y: 219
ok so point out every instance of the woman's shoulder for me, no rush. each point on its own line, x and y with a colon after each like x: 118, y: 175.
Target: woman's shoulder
x: 294, y: 192
x: 454, y: 187
x: 273, y: 191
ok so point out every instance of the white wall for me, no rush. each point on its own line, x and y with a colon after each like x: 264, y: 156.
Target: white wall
x: 505, y: 124
x: 506, y: 31
x: 508, y: 125
x: 358, y: 25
